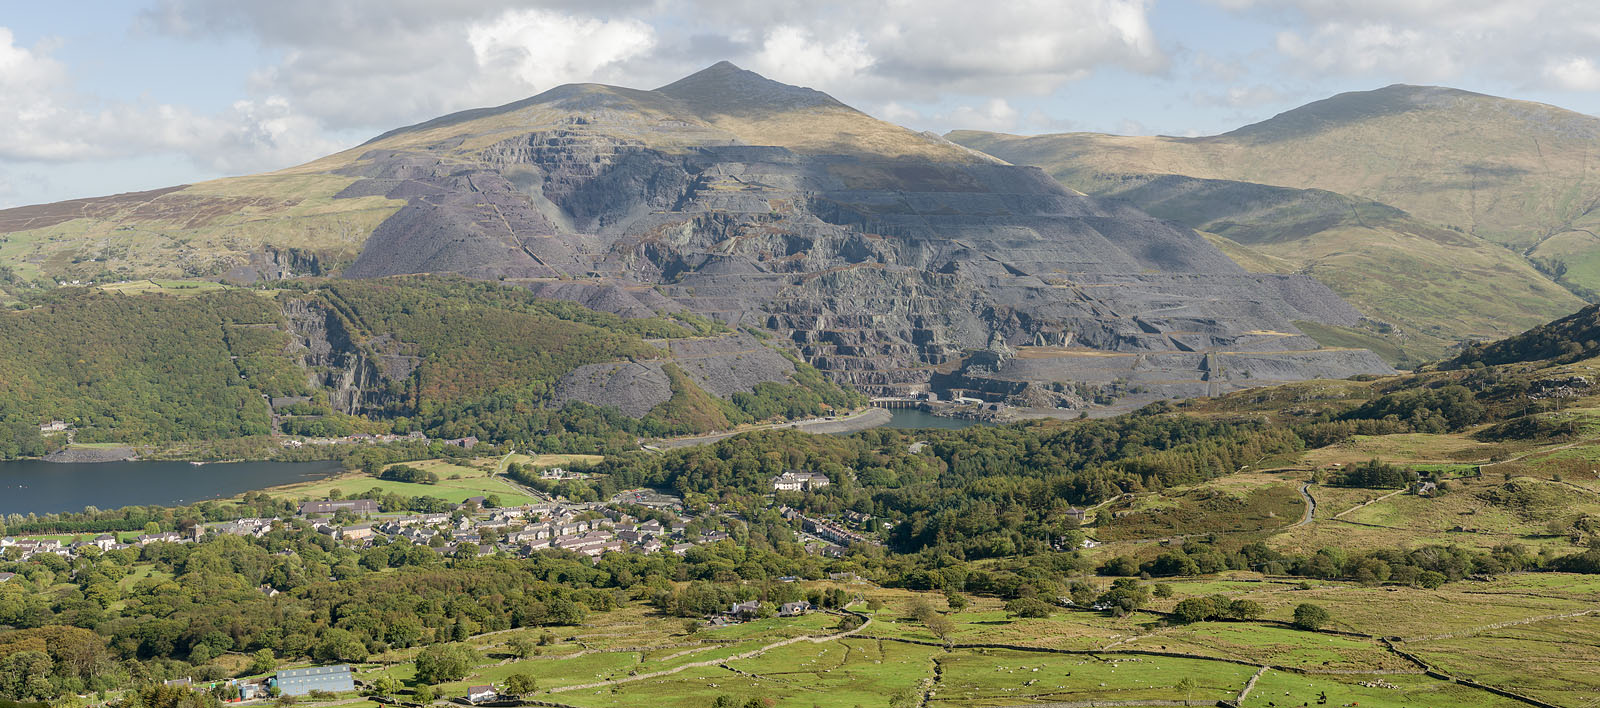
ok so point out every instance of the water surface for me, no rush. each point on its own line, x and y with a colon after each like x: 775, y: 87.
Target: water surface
x: 51, y: 487
x: 913, y: 418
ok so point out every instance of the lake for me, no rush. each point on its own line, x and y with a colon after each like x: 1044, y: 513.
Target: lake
x: 913, y: 418
x: 49, y: 487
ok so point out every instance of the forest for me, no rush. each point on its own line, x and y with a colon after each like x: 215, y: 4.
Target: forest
x: 157, y: 369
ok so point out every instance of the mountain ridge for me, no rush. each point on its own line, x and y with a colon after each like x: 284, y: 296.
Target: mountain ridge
x: 1397, y: 148
x: 895, y: 261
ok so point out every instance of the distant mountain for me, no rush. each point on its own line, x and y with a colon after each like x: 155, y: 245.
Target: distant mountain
x: 1452, y: 197
x: 892, y: 260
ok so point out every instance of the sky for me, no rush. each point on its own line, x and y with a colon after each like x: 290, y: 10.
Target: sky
x: 106, y: 96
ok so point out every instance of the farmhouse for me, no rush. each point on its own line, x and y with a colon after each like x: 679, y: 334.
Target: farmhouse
x: 479, y: 694
x: 794, y: 609
x: 745, y: 609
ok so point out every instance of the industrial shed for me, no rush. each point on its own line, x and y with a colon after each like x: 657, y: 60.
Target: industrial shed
x: 299, y: 682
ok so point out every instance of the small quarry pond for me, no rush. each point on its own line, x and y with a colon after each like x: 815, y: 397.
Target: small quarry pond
x: 912, y: 419
x: 52, y: 487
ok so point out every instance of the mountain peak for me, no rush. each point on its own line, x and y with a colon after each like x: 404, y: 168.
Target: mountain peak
x: 725, y: 88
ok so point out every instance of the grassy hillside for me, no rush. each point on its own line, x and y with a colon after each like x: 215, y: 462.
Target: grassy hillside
x: 1512, y: 172
x: 1431, y: 286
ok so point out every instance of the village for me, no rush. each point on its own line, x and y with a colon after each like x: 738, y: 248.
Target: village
x: 479, y: 526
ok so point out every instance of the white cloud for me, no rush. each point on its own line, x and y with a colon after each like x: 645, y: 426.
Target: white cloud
x: 543, y: 49
x: 1573, y: 74
x: 996, y: 114
x: 1533, y: 43
x: 43, y: 119
x: 375, y: 65
x: 1367, y: 48
x: 365, y: 66
x: 792, y: 55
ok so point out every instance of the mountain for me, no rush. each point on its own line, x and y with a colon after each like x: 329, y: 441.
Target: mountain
x: 893, y: 260
x: 1377, y: 192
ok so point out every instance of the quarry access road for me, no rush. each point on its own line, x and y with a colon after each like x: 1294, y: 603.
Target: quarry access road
x: 860, y: 420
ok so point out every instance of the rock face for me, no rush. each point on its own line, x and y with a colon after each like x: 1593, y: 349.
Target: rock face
x: 886, y: 257
x: 357, y: 383
x: 722, y: 366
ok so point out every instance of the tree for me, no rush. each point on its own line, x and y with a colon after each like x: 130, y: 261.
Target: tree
x: 424, y: 694
x: 941, y: 626
x: 445, y: 662
x: 1246, y: 609
x: 521, y: 684
x: 1194, y: 609
x: 522, y: 647
x: 263, y: 662
x: 1028, y: 607
x: 1187, y: 684
x: 340, y: 645
x: 1311, y: 617
x: 956, y: 600
x: 384, y: 685
x: 874, y: 604
x: 1431, y: 579
x: 1126, y: 594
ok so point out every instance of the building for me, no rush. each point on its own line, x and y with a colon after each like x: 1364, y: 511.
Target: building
x: 745, y: 609
x: 479, y: 694
x: 54, y: 426
x: 464, y: 443
x: 299, y: 682
x: 358, y: 532
x: 1077, y: 514
x: 6, y: 577
x: 359, y: 507
x: 794, y: 609
x: 797, y: 481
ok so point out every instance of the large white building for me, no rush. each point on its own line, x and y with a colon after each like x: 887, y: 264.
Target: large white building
x: 797, y: 481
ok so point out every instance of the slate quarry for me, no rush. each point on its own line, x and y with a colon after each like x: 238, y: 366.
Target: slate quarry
x: 891, y: 260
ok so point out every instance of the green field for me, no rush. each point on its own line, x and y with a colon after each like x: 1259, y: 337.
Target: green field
x: 457, y: 483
